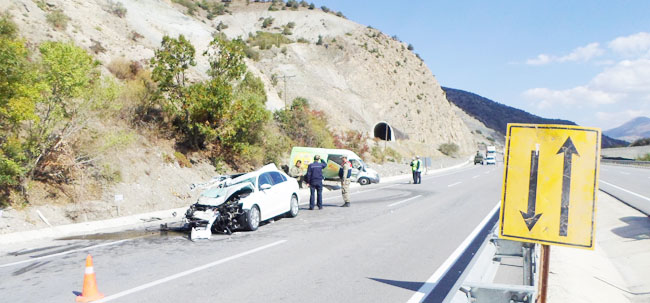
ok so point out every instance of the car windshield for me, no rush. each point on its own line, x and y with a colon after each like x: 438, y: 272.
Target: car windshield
x: 358, y: 164
x: 251, y: 180
x: 215, y: 192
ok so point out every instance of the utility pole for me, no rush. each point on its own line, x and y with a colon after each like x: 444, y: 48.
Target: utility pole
x: 386, y: 137
x: 285, y: 89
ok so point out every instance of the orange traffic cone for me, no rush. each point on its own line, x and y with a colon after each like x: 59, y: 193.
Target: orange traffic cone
x: 90, y: 292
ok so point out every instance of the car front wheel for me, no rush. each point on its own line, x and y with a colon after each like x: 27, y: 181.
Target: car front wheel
x: 364, y: 181
x: 252, y: 218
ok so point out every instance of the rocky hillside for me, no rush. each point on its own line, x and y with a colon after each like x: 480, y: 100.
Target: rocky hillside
x: 497, y: 116
x: 632, y: 130
x: 357, y: 74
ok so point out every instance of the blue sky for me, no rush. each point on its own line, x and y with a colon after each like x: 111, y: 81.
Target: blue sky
x: 585, y: 61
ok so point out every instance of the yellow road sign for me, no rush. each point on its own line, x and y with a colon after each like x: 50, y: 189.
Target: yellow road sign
x: 549, y: 184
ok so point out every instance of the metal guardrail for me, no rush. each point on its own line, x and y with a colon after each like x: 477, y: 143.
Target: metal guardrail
x: 479, y: 285
x: 626, y: 162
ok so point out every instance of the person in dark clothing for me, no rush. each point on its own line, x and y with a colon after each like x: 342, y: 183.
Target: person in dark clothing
x: 314, y: 180
x: 413, y: 168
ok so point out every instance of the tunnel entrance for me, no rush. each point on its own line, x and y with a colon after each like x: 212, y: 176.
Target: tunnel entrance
x: 384, y: 131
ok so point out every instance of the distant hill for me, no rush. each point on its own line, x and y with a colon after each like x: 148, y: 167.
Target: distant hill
x: 497, y: 116
x: 634, y: 129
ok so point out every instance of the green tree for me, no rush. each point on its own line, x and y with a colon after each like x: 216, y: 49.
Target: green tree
x: 267, y: 22
x: 170, y: 65
x: 67, y: 72
x: 207, y: 106
x: 171, y: 62
x: 226, y: 58
x: 19, y: 92
x: 306, y: 127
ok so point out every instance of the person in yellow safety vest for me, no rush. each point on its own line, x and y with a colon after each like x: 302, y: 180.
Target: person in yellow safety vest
x: 416, y: 167
x: 418, y: 170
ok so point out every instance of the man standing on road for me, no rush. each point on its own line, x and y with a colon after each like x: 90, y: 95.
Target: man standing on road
x: 413, y: 170
x: 296, y: 172
x: 418, y: 170
x: 314, y: 180
x: 344, y: 173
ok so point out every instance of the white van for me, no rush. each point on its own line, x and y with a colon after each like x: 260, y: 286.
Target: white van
x: 360, y: 170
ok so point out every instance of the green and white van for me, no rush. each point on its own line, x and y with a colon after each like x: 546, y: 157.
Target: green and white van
x: 360, y: 170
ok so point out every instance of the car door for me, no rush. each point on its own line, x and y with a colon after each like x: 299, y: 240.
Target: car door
x: 357, y: 168
x: 267, y: 198
x: 282, y: 192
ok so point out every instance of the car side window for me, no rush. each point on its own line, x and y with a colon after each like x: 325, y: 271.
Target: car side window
x: 277, y: 177
x: 265, y: 178
x: 335, y: 158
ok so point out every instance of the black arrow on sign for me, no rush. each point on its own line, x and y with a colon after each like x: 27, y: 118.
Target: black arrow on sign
x: 568, y: 149
x: 530, y: 217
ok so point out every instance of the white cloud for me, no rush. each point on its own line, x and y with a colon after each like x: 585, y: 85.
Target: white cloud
x: 628, y: 76
x: 618, y: 93
x: 637, y: 45
x: 583, y: 54
x: 574, y: 97
x: 627, y: 81
x: 540, y: 60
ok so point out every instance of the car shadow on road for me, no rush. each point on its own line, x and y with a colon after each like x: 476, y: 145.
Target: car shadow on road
x: 324, y: 205
x: 637, y: 228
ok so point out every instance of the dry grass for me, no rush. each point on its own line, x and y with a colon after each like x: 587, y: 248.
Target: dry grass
x: 57, y: 19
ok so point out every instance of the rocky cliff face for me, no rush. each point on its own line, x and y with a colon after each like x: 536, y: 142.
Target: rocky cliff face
x: 358, y: 75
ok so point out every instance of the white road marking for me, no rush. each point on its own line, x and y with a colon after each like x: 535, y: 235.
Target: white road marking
x: 428, y: 286
x: 475, y: 176
x: 434, y: 175
x: 403, y: 201
x: 378, y: 188
x: 624, y: 173
x: 187, y: 272
x: 625, y: 190
x: 487, y: 172
x: 63, y: 253
x: 454, y: 184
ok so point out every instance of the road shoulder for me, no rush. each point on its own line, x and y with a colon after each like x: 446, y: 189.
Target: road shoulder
x: 616, y: 270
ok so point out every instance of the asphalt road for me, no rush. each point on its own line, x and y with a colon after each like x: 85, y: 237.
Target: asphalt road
x: 382, y: 249
x: 627, y: 183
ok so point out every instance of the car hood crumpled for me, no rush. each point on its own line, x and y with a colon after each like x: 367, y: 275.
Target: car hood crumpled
x: 218, y: 195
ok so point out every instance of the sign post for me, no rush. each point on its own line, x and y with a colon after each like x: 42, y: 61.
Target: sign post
x: 549, y: 187
x: 118, y: 200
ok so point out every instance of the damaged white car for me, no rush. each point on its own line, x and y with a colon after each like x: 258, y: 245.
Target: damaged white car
x: 242, y: 201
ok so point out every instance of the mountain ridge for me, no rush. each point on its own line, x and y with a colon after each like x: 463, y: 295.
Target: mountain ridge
x: 496, y: 115
x: 632, y: 130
